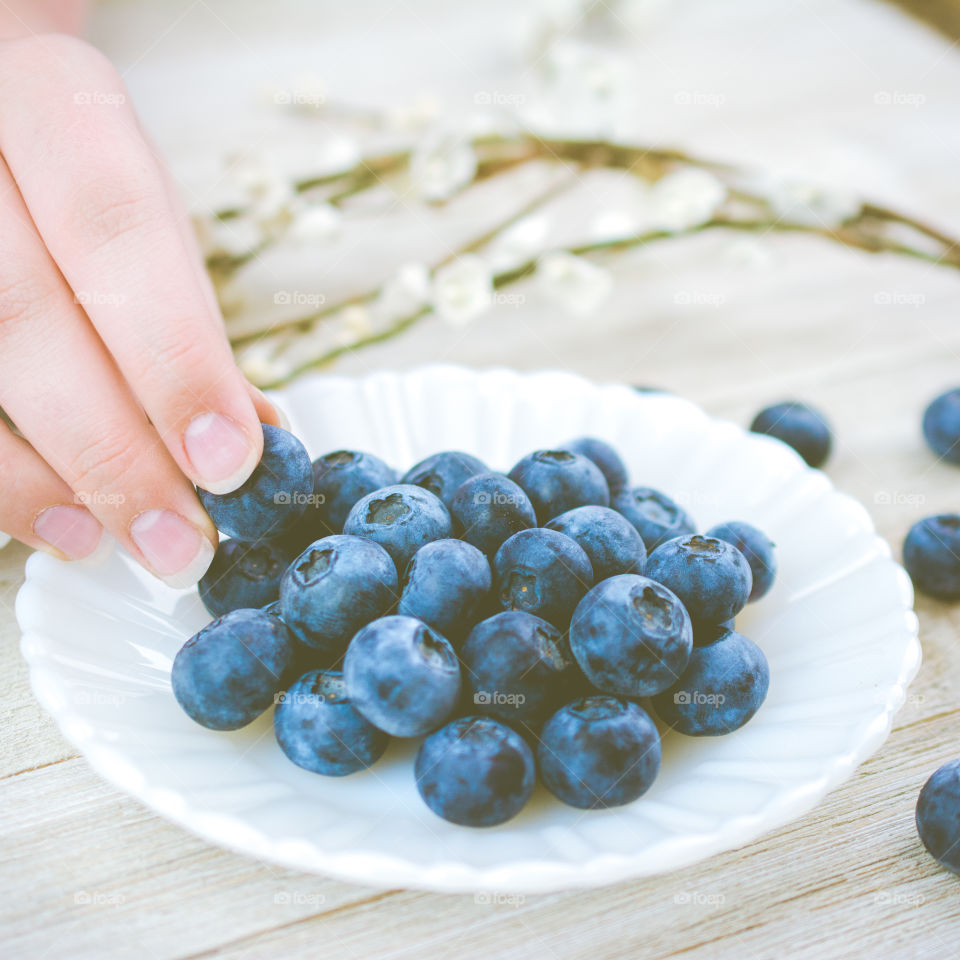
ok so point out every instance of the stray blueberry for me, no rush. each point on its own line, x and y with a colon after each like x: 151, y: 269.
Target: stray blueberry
x: 401, y: 518
x: 608, y: 538
x: 938, y: 815
x: 656, y: 517
x: 242, y: 575
x: 333, y: 588
x: 559, y: 480
x: 402, y: 676
x: 724, y: 685
x: 599, y: 752
x: 318, y: 728
x: 758, y: 549
x: 799, y: 426
x: 340, y: 479
x: 488, y: 509
x: 518, y: 667
x: 442, y: 473
x: 475, y: 772
x: 605, y: 457
x: 710, y: 576
x: 631, y: 636
x: 543, y: 572
x: 941, y: 425
x: 273, y: 498
x: 931, y: 554
x: 447, y: 586
x: 225, y: 676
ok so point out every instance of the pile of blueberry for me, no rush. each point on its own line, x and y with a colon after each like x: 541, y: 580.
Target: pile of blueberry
x: 522, y: 624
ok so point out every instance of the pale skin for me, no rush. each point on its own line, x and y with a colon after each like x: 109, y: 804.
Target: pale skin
x: 114, y: 364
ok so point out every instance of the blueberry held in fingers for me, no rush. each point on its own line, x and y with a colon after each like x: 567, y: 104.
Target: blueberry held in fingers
x: 272, y: 500
x: 799, y: 426
x: 599, y: 752
x: 319, y: 729
x: 475, y: 772
x: 243, y: 575
x: 225, y: 676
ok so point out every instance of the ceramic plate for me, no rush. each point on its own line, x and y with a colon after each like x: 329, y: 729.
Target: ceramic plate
x: 838, y: 630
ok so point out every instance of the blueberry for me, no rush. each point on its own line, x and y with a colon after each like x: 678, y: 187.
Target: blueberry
x: 559, y: 480
x: 518, y: 668
x: 475, y: 772
x: 402, y: 676
x: 447, y: 585
x: 605, y: 457
x: 722, y: 688
x: 442, y: 473
x: 488, y: 509
x: 656, y: 517
x: 799, y: 426
x: 543, y: 572
x: 599, y: 752
x: 242, y: 575
x: 931, y: 554
x: 941, y: 425
x: 333, y: 588
x: 608, y: 538
x: 318, y: 728
x: 938, y: 815
x: 273, y: 498
x: 225, y: 676
x: 340, y: 479
x: 758, y: 549
x: 401, y: 518
x: 631, y: 636
x: 710, y: 576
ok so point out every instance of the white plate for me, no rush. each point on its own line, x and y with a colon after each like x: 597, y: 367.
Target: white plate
x: 838, y: 629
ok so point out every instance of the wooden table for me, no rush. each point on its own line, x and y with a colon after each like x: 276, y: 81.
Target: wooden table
x: 88, y: 872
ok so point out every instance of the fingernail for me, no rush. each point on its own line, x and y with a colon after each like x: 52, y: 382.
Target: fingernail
x: 176, y: 550
x: 72, y: 530
x: 220, y: 452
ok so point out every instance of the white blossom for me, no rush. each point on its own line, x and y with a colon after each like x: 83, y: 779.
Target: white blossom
x: 518, y: 243
x: 404, y: 294
x: 4, y: 539
x: 613, y: 225
x: 261, y: 365
x: 314, y: 223
x: 810, y: 204
x: 573, y: 282
x: 463, y: 289
x: 685, y: 199
x: 443, y: 162
x: 233, y: 237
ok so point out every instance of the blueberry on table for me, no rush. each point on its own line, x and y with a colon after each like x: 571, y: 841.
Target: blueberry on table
x: 799, y: 426
x: 447, y: 585
x: 941, y: 425
x: 442, y: 473
x: 758, y: 549
x: 319, y: 729
x: 608, y: 538
x: 225, y: 676
x: 710, y: 576
x: 333, y: 588
x: 488, y: 509
x: 938, y: 815
x: 518, y: 668
x: 340, y: 479
x: 402, y: 676
x: 605, y: 457
x: 543, y: 572
x: 631, y: 636
x: 723, y: 686
x: 599, y: 752
x: 401, y: 518
x: 242, y: 575
x: 273, y: 498
x: 656, y: 517
x: 931, y: 555
x: 559, y: 480
x: 475, y: 772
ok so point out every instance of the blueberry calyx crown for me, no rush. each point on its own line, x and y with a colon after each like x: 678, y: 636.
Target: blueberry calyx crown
x: 388, y: 510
